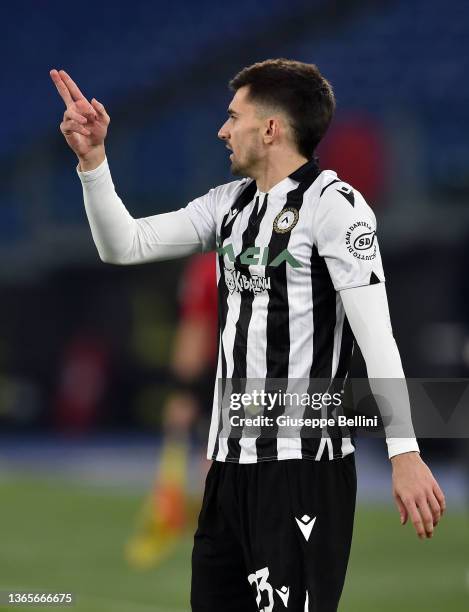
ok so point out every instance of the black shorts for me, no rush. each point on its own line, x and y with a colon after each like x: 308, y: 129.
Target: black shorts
x: 274, y: 536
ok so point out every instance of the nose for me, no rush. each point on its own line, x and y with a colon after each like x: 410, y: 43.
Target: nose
x: 223, y: 132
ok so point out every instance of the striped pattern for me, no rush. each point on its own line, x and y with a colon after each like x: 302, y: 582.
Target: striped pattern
x: 294, y: 328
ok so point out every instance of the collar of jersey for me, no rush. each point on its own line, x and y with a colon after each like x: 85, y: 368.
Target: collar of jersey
x: 285, y: 185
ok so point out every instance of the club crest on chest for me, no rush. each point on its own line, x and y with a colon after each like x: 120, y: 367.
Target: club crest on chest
x: 286, y: 220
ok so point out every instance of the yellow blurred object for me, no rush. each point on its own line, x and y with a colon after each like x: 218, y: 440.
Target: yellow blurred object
x: 163, y: 518
x: 152, y: 543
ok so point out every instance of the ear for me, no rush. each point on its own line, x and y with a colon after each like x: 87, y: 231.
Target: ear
x: 271, y: 129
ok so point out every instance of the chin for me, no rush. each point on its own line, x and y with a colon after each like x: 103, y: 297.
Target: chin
x: 238, y: 170
x: 235, y: 170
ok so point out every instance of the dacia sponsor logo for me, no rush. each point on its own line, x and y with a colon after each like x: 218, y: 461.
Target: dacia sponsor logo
x: 360, y: 240
x: 259, y: 256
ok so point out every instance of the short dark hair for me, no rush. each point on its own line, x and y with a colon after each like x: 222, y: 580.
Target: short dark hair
x: 296, y: 88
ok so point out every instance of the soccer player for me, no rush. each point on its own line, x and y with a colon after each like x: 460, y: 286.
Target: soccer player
x: 299, y: 272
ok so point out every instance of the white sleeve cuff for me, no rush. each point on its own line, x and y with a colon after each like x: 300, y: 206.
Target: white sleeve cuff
x: 397, y: 446
x: 91, y: 175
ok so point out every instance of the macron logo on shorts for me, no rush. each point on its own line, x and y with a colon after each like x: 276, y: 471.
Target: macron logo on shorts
x: 306, y: 524
x: 283, y: 593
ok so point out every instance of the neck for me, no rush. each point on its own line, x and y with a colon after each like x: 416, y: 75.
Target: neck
x: 277, y: 169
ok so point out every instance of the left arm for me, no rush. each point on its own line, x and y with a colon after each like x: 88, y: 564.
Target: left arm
x: 415, y: 490
x: 344, y: 229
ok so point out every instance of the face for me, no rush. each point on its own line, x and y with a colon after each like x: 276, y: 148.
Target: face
x: 242, y: 133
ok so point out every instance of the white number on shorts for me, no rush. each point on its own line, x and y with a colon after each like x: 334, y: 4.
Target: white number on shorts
x: 259, y: 578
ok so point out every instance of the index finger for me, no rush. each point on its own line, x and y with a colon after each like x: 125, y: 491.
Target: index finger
x: 61, y: 88
x: 71, y: 86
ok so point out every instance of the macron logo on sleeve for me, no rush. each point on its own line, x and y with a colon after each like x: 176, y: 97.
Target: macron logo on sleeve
x: 231, y: 215
x: 348, y: 194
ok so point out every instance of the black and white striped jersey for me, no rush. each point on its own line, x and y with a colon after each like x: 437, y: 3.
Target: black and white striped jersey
x: 282, y: 259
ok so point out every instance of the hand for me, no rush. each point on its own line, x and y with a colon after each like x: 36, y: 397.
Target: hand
x: 180, y: 412
x: 84, y: 124
x: 417, y: 493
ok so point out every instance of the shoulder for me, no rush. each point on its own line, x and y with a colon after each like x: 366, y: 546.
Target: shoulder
x: 228, y: 191
x: 221, y: 197
x: 338, y: 197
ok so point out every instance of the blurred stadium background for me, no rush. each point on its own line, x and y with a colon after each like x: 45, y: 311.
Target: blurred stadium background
x: 84, y: 347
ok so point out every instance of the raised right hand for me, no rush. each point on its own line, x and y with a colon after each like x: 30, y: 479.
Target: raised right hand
x: 84, y: 124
